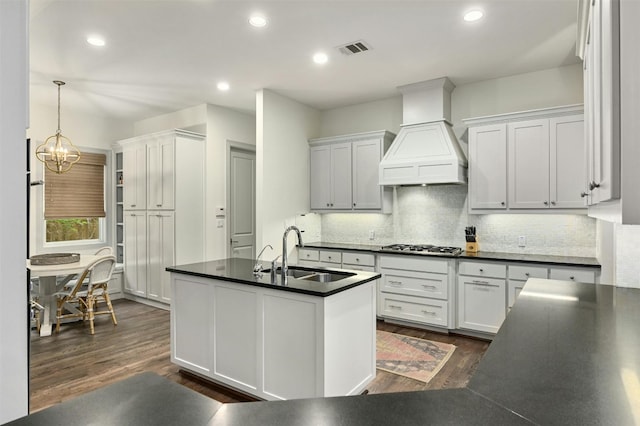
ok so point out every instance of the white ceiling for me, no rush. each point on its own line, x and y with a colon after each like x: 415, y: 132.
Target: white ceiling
x: 164, y: 55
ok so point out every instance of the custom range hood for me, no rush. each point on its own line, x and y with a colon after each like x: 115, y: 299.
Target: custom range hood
x: 426, y: 150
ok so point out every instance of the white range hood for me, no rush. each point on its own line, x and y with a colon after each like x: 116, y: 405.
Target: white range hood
x: 426, y: 151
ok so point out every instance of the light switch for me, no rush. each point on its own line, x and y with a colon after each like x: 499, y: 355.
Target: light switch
x: 220, y: 223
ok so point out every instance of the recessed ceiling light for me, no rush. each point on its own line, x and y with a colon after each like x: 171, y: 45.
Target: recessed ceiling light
x: 258, y: 21
x: 96, y: 40
x: 473, y: 15
x: 223, y: 86
x: 320, y: 58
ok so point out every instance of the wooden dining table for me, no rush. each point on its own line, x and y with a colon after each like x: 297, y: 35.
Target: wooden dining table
x: 49, y: 284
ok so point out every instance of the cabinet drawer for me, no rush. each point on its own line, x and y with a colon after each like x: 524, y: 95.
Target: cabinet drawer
x: 364, y: 259
x: 330, y: 256
x: 412, y: 263
x: 416, y: 309
x: 308, y: 254
x: 568, y: 274
x: 525, y: 272
x: 423, y: 284
x: 480, y: 269
x: 358, y: 268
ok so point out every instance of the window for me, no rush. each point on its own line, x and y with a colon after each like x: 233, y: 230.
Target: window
x: 74, y: 201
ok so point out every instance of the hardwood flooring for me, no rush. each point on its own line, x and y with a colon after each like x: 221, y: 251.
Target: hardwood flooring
x: 73, y: 362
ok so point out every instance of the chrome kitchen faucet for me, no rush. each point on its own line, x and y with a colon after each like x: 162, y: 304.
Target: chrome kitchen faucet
x: 285, y: 263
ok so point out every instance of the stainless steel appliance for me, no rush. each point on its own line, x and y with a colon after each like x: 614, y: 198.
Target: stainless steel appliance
x: 424, y: 249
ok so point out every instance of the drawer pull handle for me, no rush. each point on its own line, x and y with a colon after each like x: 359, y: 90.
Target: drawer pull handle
x: 429, y: 286
x: 571, y: 277
x: 395, y: 307
x: 526, y: 274
x: 428, y: 312
x: 395, y: 283
x: 485, y: 284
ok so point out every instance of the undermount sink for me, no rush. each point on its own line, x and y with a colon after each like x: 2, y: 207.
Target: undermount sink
x: 316, y: 275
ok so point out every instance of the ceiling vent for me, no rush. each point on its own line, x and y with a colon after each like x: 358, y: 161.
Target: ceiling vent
x: 353, y: 48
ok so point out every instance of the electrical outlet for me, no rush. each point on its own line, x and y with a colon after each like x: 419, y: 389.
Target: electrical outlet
x: 372, y: 234
x: 220, y: 223
x: 522, y: 241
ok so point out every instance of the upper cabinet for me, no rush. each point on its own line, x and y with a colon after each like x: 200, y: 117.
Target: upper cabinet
x: 160, y: 172
x: 344, y: 172
x: 532, y: 160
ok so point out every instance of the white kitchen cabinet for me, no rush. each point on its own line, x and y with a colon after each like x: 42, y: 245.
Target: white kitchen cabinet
x: 115, y: 284
x: 572, y: 274
x: 135, y: 259
x: 482, y: 296
x: 528, y: 147
x: 366, y: 155
x: 416, y: 289
x: 331, y: 177
x: 358, y: 261
x: 488, y: 167
x: 602, y: 83
x: 160, y: 254
x: 344, y: 172
x: 481, y: 303
x: 532, y: 160
x: 134, y: 173
x: 241, y: 336
x: 163, y: 180
x: 567, y: 145
x: 160, y: 172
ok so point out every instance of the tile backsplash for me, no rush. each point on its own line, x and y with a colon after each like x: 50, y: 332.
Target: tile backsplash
x: 438, y: 214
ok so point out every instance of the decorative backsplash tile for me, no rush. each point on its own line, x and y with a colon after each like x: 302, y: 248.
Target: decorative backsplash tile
x: 437, y: 214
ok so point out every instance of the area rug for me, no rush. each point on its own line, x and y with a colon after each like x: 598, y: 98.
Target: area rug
x: 411, y: 357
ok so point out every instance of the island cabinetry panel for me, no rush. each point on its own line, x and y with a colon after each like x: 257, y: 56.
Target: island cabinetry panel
x: 482, y: 296
x: 344, y: 172
x: 163, y: 177
x: 274, y: 344
x: 416, y: 289
x: 191, y: 325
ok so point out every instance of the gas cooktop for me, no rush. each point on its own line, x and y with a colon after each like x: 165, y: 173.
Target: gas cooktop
x: 426, y: 249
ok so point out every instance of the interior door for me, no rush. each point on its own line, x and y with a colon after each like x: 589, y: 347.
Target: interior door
x: 242, y: 211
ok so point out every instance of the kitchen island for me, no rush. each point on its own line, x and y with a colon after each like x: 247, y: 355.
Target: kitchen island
x: 274, y: 340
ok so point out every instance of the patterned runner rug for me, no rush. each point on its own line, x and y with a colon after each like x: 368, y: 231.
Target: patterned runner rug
x: 411, y: 357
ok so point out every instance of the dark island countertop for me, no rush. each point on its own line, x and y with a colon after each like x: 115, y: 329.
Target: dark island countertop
x: 589, y: 262
x: 567, y: 354
x: 240, y: 271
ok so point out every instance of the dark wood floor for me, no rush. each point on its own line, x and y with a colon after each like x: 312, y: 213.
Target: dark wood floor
x: 74, y: 362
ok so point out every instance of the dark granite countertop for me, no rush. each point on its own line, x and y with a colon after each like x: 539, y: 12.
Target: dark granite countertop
x: 241, y: 271
x: 567, y: 354
x: 589, y: 262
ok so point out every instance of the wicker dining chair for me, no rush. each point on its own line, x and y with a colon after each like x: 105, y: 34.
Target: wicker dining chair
x: 85, y: 300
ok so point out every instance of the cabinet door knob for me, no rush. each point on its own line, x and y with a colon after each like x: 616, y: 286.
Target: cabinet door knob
x: 593, y: 185
x: 327, y: 204
x: 546, y: 203
x: 571, y: 277
x: 553, y: 203
x: 354, y: 204
x: 481, y: 270
x: 526, y: 274
x: 583, y: 194
x: 502, y: 203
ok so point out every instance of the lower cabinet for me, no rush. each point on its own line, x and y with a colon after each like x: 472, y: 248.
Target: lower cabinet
x: 482, y: 296
x: 274, y: 344
x: 416, y: 289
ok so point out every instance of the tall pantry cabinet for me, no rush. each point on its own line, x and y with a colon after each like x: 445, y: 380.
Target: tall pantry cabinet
x: 163, y: 203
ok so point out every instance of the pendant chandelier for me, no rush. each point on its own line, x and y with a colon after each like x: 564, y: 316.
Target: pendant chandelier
x: 57, y: 152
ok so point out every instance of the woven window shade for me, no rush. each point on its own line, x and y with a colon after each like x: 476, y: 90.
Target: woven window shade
x: 79, y: 193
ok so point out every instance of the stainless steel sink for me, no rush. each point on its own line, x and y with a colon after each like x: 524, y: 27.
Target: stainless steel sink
x: 316, y: 275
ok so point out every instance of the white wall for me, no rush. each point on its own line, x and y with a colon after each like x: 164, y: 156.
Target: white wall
x: 86, y: 131
x: 539, y: 89
x: 223, y: 124
x: 14, y: 397
x: 384, y: 114
x: 282, y: 166
x: 220, y: 125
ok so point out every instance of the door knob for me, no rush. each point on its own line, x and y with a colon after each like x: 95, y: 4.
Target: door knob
x: 583, y: 194
x: 593, y: 185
